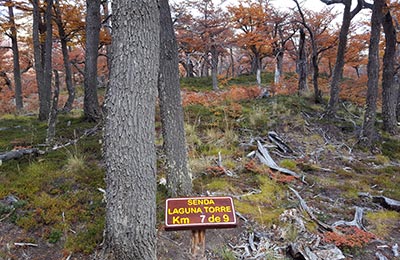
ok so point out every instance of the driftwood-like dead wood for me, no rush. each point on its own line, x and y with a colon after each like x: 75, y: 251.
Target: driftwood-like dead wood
x: 263, y: 154
x: 282, y: 146
x: 356, y: 222
x: 226, y: 171
x: 16, y: 154
x: 305, y: 207
x: 380, y: 256
x: 26, y: 244
x: 299, y: 251
x: 385, y: 202
x: 395, y: 250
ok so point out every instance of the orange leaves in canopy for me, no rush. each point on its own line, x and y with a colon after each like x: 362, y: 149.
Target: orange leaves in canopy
x: 251, y: 18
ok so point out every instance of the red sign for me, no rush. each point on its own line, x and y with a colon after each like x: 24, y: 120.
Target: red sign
x: 199, y: 213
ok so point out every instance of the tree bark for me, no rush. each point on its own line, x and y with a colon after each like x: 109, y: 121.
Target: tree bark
x: 278, y: 67
x: 16, y: 67
x: 369, y: 135
x: 214, y: 67
x: 51, y: 126
x: 302, y: 64
x: 338, y: 69
x: 129, y: 132
x: 389, y: 90
x: 91, y: 107
x: 314, y: 57
x: 38, y: 48
x: 48, y: 67
x: 179, y: 181
x: 65, y: 53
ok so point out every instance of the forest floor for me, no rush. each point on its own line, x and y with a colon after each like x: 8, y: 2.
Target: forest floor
x: 52, y: 206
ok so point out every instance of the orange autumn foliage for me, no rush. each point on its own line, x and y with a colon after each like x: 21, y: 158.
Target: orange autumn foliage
x: 349, y: 237
x: 209, y: 98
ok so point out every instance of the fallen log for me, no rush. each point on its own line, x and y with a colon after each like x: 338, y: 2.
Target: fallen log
x: 263, y: 155
x: 16, y: 154
x: 385, y: 202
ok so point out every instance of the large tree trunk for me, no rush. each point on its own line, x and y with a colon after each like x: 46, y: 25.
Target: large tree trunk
x: 389, y: 89
x: 302, y: 64
x: 179, y: 182
x: 369, y: 135
x: 67, y: 64
x: 129, y: 132
x: 16, y: 67
x: 91, y: 107
x: 214, y: 67
x: 338, y: 69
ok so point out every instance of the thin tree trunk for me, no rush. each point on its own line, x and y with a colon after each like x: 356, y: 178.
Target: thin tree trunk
x: 179, y: 182
x: 16, y: 67
x: 389, y: 91
x: 129, y: 143
x: 232, y: 62
x: 302, y: 64
x: 278, y: 67
x: 91, y: 107
x: 369, y: 135
x: 67, y: 64
x: 37, y: 30
x: 338, y: 69
x: 51, y: 128
x: 214, y: 67
x: 48, y: 67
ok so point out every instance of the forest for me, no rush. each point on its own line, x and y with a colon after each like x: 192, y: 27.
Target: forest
x: 109, y: 108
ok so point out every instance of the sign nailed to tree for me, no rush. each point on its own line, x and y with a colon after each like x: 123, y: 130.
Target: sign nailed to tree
x: 199, y: 213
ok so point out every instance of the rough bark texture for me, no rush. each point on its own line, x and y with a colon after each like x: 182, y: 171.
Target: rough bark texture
x: 389, y: 89
x: 67, y: 64
x: 302, y: 64
x: 16, y: 67
x: 129, y: 131
x: 369, y: 135
x: 179, y: 182
x: 48, y: 49
x: 91, y: 107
